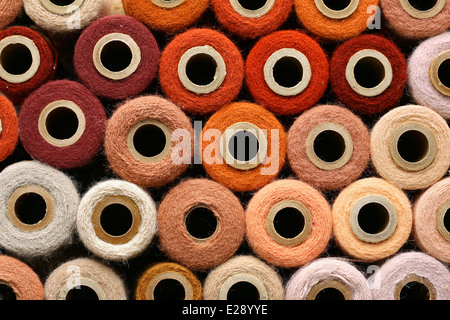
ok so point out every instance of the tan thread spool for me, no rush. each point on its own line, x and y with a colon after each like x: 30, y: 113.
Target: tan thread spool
x: 61, y: 9
x: 415, y: 278
x: 337, y: 14
x: 329, y: 284
x: 435, y: 74
x: 423, y: 14
x: 440, y: 218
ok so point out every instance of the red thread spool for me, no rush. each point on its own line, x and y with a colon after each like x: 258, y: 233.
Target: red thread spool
x: 201, y: 70
x: 116, y: 57
x: 9, y: 133
x: 27, y: 61
x: 368, y: 74
x: 251, y: 19
x: 62, y: 124
x: 287, y: 72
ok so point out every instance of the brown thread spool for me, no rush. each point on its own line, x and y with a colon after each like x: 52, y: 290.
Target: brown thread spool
x: 423, y: 12
x: 421, y: 285
x: 439, y: 71
x: 332, y: 288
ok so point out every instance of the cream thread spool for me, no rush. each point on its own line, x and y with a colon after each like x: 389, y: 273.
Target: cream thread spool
x: 439, y: 70
x: 341, y: 10
x: 425, y: 13
x: 414, y: 279
x: 63, y: 8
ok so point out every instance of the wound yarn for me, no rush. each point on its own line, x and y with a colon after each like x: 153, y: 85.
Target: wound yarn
x: 9, y: 10
x: 251, y: 20
x: 243, y: 277
x: 409, y: 147
x: 84, y: 279
x: 328, y: 279
x: 63, y: 124
x: 288, y: 223
x: 201, y: 70
x: 287, y: 72
x: 116, y: 57
x: 168, y: 280
x: 116, y: 220
x: 9, y: 132
x: 431, y: 213
x: 201, y: 224
x: 328, y: 147
x: 243, y: 146
x: 21, y: 279
x: 28, y: 60
x: 368, y: 74
x: 372, y: 219
x: 168, y: 16
x: 412, y: 276
x: 336, y: 21
x: 149, y: 141
x: 416, y: 20
x: 115, y: 7
x: 428, y: 71
x: 38, y: 207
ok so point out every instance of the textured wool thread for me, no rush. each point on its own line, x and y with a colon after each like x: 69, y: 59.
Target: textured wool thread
x: 343, y: 91
x: 394, y: 271
x: 251, y: 27
x: 9, y: 10
x: 59, y: 231
x: 133, y: 112
x: 327, y: 269
x: 342, y: 229
x: 9, y: 132
x: 133, y: 84
x: 419, y: 83
x: 65, y: 157
x: 166, y: 19
x: 115, y: 7
x: 382, y: 135
x: 255, y: 79
x: 21, y: 278
x: 70, y: 275
x: 306, y: 169
x: 174, y: 237
x: 270, y: 250
x: 193, y: 102
x: 413, y: 28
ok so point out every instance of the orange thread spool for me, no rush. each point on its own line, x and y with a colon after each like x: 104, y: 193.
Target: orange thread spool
x: 9, y: 133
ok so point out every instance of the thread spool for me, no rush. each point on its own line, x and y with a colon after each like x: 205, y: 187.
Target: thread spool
x: 116, y: 57
x: 336, y: 20
x: 328, y: 147
x: 115, y: 7
x: 168, y: 281
x: 84, y: 279
x: 27, y: 61
x: 428, y: 70
x: 409, y: 147
x: 328, y: 279
x: 9, y: 10
x: 62, y: 124
x: 149, y: 141
x: 244, y: 146
x: 9, y: 134
x: 287, y: 72
x: 201, y: 70
x: 201, y: 224
x: 243, y: 278
x: 372, y: 219
x: 368, y: 74
x: 248, y: 19
x: 412, y: 276
x: 38, y: 206
x: 18, y: 281
x: 168, y: 16
x: 431, y: 230
x: 288, y: 223
x: 429, y: 18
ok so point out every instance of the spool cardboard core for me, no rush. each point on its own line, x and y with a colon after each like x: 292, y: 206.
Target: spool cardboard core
x: 81, y: 283
x: 414, y: 287
x: 337, y: 9
x: 443, y: 220
x: 154, y: 289
x: 440, y: 73
x: 7, y: 292
x: 1, y: 128
x: 201, y: 223
x: 62, y: 7
x: 423, y: 9
x: 319, y: 288
x: 252, y: 8
x: 167, y: 4
x: 224, y: 293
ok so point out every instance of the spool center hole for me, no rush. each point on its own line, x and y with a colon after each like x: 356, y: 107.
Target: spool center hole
x: 169, y: 289
x: 423, y: 5
x: 201, y: 223
x: 373, y: 218
x: 149, y: 140
x: 82, y: 293
x: 288, y: 72
x: 444, y: 73
x: 243, y: 145
x: 116, y: 219
x: 7, y: 293
x: 369, y: 72
x: 16, y: 59
x: 201, y: 69
x: 116, y: 56
x: 413, y: 146
x: 62, y: 123
x: 330, y: 294
x: 252, y: 4
x: 243, y: 290
x: 447, y: 220
x: 329, y: 146
x: 415, y: 290
x: 337, y: 5
x: 289, y: 222
x: 30, y: 208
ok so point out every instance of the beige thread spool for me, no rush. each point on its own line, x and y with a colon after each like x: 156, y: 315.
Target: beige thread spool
x: 62, y: 9
x: 210, y: 218
x: 415, y: 278
x: 167, y: 3
x: 256, y: 13
x: 423, y: 14
x: 78, y: 284
x: 441, y: 84
x: 443, y: 211
x: 316, y: 290
x: 337, y: 13
x: 224, y: 293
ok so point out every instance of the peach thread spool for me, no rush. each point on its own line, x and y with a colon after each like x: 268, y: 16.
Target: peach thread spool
x: 328, y: 147
x: 9, y: 131
x: 372, y: 219
x: 288, y: 223
x: 9, y: 10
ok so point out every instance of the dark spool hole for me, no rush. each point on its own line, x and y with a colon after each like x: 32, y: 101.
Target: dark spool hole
x: 252, y: 4
x: 330, y: 294
x: 62, y: 123
x: 149, y: 140
x: 81, y: 293
x: 116, y: 219
x: 243, y: 290
x: 369, y: 72
x: 116, y: 56
x: 337, y: 5
x: 30, y: 208
x: 423, y: 5
x: 16, y: 59
x: 62, y: 2
x: 201, y: 223
x: 413, y: 146
x: 289, y: 222
x: 414, y: 291
x: 7, y: 293
x: 169, y: 289
x: 329, y: 146
x: 243, y: 146
x: 201, y: 69
x: 447, y: 220
x: 444, y: 73
x: 288, y: 72
x: 373, y: 218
